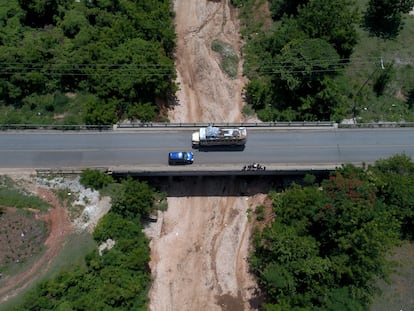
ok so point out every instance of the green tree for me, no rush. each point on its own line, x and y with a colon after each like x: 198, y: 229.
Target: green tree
x: 355, y: 229
x: 11, y: 31
x: 332, y: 21
x: 302, y: 76
x: 133, y: 200
x: 289, y: 265
x: 327, y: 245
x: 288, y: 7
x: 99, y: 112
x: 341, y: 299
x: 39, y: 13
x: 72, y: 23
x: 395, y: 179
x: 95, y: 179
x: 383, y: 18
x: 119, y: 52
x: 143, y: 112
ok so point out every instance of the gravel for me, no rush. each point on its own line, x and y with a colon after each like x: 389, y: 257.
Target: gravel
x: 94, y: 206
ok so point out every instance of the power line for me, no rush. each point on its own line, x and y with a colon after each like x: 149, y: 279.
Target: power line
x: 107, y: 69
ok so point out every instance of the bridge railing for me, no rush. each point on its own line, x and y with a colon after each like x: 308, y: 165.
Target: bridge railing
x: 62, y: 127
x: 265, y: 124
x: 141, y: 125
x: 228, y: 124
x: 377, y: 125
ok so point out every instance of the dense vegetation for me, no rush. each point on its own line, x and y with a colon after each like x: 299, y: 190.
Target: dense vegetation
x: 98, y: 62
x: 311, y: 60
x: 327, y: 245
x: 78, y: 62
x: 118, y: 279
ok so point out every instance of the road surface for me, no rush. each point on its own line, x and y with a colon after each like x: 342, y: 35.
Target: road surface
x: 150, y: 148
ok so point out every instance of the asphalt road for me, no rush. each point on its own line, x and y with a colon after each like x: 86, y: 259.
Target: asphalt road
x: 150, y: 148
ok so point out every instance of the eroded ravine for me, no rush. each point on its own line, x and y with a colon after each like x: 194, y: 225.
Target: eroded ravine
x: 206, y: 93
x: 200, y: 244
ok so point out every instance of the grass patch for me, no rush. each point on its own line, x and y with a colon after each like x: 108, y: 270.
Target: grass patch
x: 229, y: 59
x: 248, y: 110
x: 160, y: 203
x: 398, y: 293
x: 65, y: 196
x: 59, y: 108
x: 371, y: 57
x: 109, y: 190
x: 12, y: 196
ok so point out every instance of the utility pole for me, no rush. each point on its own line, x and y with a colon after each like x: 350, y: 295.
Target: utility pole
x: 362, y: 86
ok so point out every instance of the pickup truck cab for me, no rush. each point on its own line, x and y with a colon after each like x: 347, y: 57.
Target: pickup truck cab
x: 180, y: 157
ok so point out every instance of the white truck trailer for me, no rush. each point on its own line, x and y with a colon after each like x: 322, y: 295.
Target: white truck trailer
x: 217, y: 136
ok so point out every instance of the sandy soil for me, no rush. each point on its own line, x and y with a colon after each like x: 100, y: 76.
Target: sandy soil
x: 199, y: 249
x: 206, y: 93
x: 200, y: 245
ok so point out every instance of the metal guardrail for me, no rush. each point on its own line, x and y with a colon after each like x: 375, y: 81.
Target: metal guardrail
x: 67, y: 171
x: 293, y: 124
x: 377, y: 125
x: 61, y: 127
x: 227, y: 124
x: 267, y: 124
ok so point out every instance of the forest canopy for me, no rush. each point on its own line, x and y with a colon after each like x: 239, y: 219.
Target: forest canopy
x: 327, y: 243
x: 110, y: 59
x: 320, y: 60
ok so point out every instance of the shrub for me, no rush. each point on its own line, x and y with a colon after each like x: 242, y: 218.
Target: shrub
x: 229, y: 59
x: 95, y: 179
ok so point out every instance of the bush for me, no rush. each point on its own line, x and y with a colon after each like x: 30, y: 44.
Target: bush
x: 95, y: 179
x: 133, y: 200
x: 260, y: 212
x: 229, y: 59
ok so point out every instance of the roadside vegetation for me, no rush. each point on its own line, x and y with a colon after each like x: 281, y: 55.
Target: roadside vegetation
x: 329, y: 60
x: 116, y: 278
x: 13, y: 195
x: 85, y: 62
x: 329, y: 243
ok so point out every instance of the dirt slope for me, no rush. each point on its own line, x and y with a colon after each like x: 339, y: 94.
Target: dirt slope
x: 206, y: 93
x: 199, y: 246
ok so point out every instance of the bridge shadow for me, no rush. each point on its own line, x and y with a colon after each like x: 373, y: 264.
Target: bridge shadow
x: 210, y: 186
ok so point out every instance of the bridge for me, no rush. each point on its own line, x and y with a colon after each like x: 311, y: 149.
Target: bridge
x: 143, y: 151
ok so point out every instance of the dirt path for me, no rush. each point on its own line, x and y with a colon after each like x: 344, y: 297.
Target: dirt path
x: 199, y: 246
